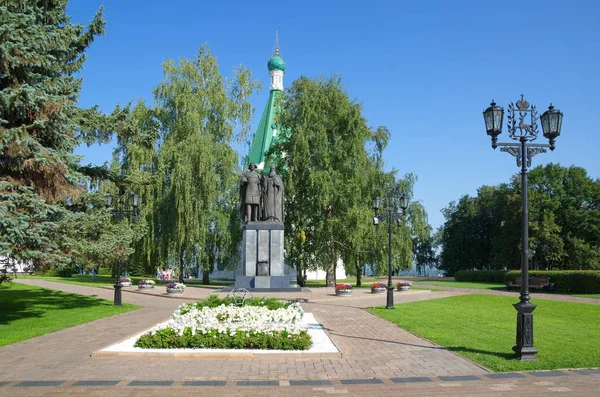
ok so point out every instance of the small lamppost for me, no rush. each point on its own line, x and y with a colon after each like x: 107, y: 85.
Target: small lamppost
x: 524, y: 131
x: 390, y: 216
x: 126, y: 205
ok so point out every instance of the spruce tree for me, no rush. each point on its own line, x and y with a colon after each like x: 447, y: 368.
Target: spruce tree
x: 40, y: 125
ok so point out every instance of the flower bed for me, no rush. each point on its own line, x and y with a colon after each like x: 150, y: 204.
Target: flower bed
x: 229, y: 327
x: 343, y: 289
x: 125, y: 281
x: 403, y: 285
x: 175, y: 288
x: 378, y: 288
x: 146, y: 284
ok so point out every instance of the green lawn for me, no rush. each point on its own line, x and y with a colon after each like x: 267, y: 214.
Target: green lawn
x: 596, y: 296
x: 482, y: 328
x: 462, y: 284
x: 29, y: 311
x: 86, y: 280
x: 365, y: 282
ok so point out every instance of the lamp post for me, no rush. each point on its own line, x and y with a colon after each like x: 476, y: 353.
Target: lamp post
x: 523, y: 132
x: 125, y: 205
x: 389, y: 216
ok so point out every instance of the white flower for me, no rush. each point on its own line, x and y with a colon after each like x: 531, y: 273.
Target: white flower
x: 229, y: 319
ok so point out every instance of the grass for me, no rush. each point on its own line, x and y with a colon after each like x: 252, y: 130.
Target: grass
x: 86, y: 280
x: 463, y: 284
x: 365, y: 281
x: 482, y: 328
x: 595, y: 296
x: 29, y: 311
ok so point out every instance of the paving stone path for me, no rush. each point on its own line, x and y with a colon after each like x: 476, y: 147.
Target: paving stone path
x: 376, y: 356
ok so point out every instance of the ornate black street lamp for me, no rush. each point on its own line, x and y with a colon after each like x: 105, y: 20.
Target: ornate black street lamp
x: 520, y: 130
x: 390, y: 216
x: 125, y: 205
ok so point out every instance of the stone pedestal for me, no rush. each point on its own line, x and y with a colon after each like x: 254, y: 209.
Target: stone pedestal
x: 262, y: 257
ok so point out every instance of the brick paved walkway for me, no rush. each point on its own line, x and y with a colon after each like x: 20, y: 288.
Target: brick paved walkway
x: 374, y: 352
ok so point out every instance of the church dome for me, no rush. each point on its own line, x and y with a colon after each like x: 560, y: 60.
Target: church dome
x: 276, y: 62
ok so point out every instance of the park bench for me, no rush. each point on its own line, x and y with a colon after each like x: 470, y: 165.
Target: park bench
x: 542, y: 283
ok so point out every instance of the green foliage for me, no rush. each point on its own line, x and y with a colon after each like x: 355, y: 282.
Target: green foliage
x: 184, y: 143
x: 40, y: 54
x: 330, y: 177
x: 169, y: 339
x: 215, y: 300
x: 28, y: 226
x: 94, y: 239
x: 490, y: 276
x: 482, y: 329
x: 483, y: 232
x: 573, y: 282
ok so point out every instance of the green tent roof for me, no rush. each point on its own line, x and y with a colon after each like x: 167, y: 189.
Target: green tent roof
x: 263, y: 138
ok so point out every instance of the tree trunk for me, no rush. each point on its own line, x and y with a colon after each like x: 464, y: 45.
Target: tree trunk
x: 358, y: 274
x: 181, y: 265
x: 205, y: 277
x: 329, y: 280
x: 301, y: 278
x: 330, y: 276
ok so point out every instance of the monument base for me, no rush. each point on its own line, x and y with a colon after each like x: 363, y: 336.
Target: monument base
x: 262, y: 282
x: 262, y: 266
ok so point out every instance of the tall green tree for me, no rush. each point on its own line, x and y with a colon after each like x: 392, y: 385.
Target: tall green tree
x: 330, y: 177
x: 192, y: 200
x: 564, y: 218
x: 484, y: 232
x: 323, y: 138
x: 40, y: 125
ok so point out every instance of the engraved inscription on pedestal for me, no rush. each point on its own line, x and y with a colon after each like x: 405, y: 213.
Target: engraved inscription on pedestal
x: 263, y: 257
x: 263, y: 246
x: 277, y: 253
x: 250, y: 252
x: 262, y: 269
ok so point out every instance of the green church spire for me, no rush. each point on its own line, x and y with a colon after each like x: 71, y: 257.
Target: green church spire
x: 267, y: 131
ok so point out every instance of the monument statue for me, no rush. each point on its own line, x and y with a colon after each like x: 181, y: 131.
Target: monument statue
x: 272, y: 186
x: 251, y: 193
x: 263, y: 257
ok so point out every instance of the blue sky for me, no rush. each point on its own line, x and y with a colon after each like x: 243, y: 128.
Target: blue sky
x: 425, y: 69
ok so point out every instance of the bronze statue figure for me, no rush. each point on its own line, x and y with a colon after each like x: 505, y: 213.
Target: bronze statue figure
x: 272, y: 186
x: 251, y: 193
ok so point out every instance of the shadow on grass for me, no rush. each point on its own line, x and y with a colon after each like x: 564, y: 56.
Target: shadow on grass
x: 462, y: 349
x: 18, y: 304
x: 456, y: 349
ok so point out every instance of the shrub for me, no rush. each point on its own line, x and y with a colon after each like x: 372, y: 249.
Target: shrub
x: 214, y: 301
x: 104, y: 271
x: 487, y: 276
x: 568, y: 281
x: 169, y: 339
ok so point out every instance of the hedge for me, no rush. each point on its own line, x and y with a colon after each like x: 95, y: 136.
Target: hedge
x: 490, y: 276
x: 241, y: 339
x: 568, y: 281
